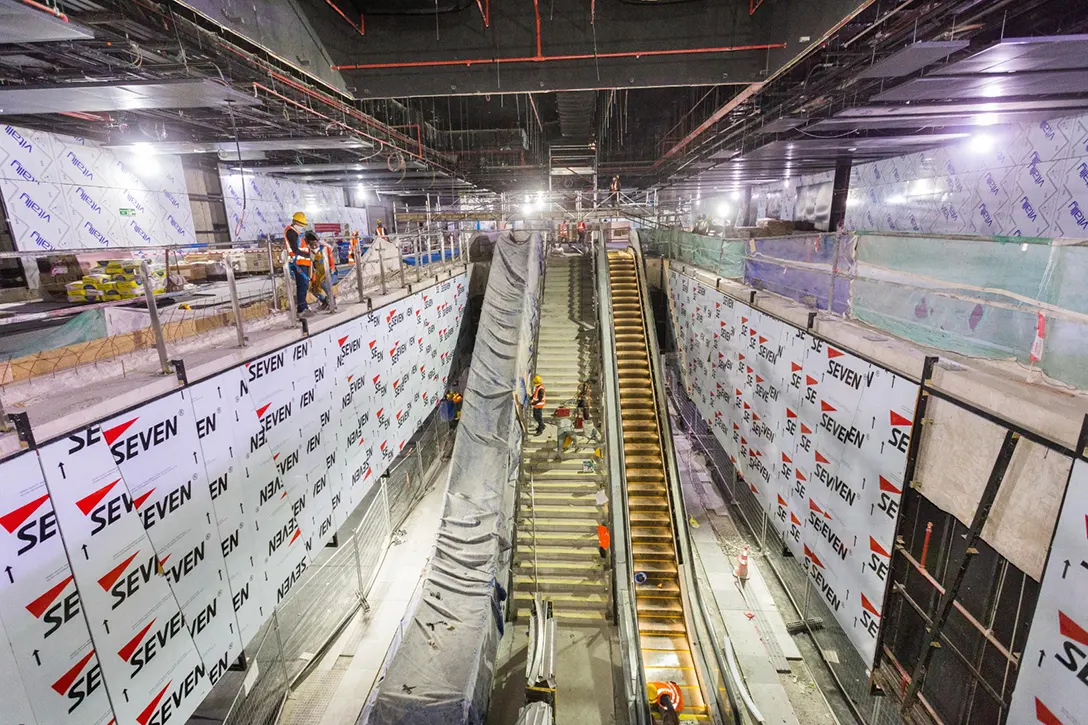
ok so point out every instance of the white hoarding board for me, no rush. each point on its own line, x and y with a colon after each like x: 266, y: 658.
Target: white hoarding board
x: 41, y: 607
x: 63, y: 192
x: 1052, y: 687
x: 818, y: 435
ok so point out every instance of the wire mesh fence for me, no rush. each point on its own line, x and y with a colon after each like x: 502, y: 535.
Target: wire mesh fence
x: 333, y: 588
x: 96, y: 310
x: 847, y: 666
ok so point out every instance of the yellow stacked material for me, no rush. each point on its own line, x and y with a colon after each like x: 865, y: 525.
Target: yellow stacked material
x: 97, y: 281
x: 123, y: 266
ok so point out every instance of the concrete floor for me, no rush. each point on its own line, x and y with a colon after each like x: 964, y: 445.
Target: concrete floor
x: 587, y: 676
x: 336, y: 690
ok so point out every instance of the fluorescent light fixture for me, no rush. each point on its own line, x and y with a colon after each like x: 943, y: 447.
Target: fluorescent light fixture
x: 984, y: 119
x: 897, y: 199
x: 736, y: 195
x: 723, y: 210
x: 143, y: 149
x: 786, y: 183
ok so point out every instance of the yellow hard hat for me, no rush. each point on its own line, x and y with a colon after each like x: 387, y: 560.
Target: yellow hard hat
x: 537, y: 380
x: 299, y: 217
x: 379, y: 221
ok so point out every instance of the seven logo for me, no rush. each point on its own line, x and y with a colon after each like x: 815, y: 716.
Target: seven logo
x: 78, y: 683
x: 53, y: 612
x: 34, y: 532
x: 1074, y: 654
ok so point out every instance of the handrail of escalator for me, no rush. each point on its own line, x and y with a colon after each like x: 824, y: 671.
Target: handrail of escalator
x: 679, y: 513
x: 622, y: 564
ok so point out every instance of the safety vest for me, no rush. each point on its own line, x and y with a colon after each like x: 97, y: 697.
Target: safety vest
x: 380, y: 231
x: 581, y: 226
x: 351, y: 248
x: 657, y: 689
x: 604, y: 539
x: 302, y: 258
x: 539, y: 396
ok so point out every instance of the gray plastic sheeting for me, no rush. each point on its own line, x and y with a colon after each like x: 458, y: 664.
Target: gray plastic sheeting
x: 441, y: 671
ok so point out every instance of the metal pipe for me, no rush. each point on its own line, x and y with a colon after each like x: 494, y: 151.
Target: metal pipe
x: 272, y: 275
x: 552, y: 58
x: 358, y: 29
x: 234, y: 305
x: 536, y: 11
x: 359, y: 270
x: 925, y: 545
x: 45, y: 8
x: 718, y: 115
x: 156, y: 324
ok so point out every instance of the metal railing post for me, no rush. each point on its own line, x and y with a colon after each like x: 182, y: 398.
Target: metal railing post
x: 272, y: 275
x: 442, y: 248
x: 381, y: 267
x: 400, y: 264
x: 385, y: 506
x: 156, y: 324
x: 359, y: 272
x: 235, y: 306
x: 430, y: 248
x: 327, y: 268
x: 359, y: 571
x: 289, y: 282
x: 418, y: 245
x: 283, y: 654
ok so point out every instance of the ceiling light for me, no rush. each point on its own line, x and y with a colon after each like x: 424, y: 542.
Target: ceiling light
x: 723, y: 210
x: 143, y: 149
x: 985, y: 119
x: 786, y: 183
x: 981, y: 143
x: 736, y: 195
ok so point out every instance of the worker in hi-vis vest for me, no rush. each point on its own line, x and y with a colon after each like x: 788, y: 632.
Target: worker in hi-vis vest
x: 379, y: 230
x: 668, y: 699
x: 539, y: 399
x: 299, y: 261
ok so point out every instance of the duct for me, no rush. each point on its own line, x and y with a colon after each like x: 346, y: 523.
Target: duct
x: 21, y: 23
x: 85, y: 97
x: 576, y: 113
x: 441, y: 672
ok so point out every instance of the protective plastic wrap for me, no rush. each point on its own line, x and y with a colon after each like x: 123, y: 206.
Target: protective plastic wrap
x: 441, y: 671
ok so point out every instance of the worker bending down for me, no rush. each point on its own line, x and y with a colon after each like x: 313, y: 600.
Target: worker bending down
x: 539, y: 399
x: 668, y: 700
x: 321, y: 283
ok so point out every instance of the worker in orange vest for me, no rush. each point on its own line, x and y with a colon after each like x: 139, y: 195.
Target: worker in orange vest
x: 604, y: 540
x: 581, y: 231
x: 299, y: 261
x: 353, y: 246
x: 379, y: 230
x: 539, y: 399
x: 668, y: 699
x: 321, y: 283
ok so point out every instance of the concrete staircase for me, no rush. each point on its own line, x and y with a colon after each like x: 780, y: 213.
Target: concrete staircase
x: 557, y: 548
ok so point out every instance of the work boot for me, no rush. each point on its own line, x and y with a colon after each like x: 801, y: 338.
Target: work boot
x: 306, y: 314
x: 325, y: 306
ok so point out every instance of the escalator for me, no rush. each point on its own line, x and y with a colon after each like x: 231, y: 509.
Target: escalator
x: 665, y: 642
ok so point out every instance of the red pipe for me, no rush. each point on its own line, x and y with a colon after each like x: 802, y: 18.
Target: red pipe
x: 549, y: 58
x: 45, y: 8
x: 721, y: 113
x: 536, y: 10
x: 485, y: 13
x: 419, y: 135
x: 925, y: 545
x: 357, y: 28
x: 752, y: 5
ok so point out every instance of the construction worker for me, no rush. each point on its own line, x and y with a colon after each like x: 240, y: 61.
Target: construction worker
x: 581, y: 231
x: 583, y: 399
x: 379, y: 230
x: 353, y: 246
x: 565, y: 435
x: 614, y: 191
x: 604, y: 540
x: 321, y: 283
x: 299, y: 261
x: 539, y: 399
x: 668, y: 699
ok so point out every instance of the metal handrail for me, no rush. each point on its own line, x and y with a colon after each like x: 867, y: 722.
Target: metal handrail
x: 678, y: 510
x: 623, y: 564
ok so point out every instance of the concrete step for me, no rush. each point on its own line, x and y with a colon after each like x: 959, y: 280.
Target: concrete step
x: 559, y: 557
x: 554, y: 583
x: 569, y: 600
x: 572, y: 617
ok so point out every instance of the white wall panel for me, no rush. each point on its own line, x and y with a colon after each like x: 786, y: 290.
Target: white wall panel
x: 818, y: 435
x: 1052, y: 686
x: 63, y: 192
x: 180, y: 524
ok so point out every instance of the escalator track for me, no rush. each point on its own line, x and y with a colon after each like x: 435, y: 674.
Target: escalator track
x: 663, y: 633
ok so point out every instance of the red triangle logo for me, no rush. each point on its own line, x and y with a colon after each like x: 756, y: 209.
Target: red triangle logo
x: 42, y: 603
x: 898, y: 419
x: 790, y: 413
x: 62, y: 685
x: 112, y: 434
x: 13, y: 520
x: 1044, y: 715
x: 812, y: 556
x: 743, y: 320
x: 826, y: 407
x: 87, y: 503
x: 748, y: 368
x: 753, y: 487
x: 821, y: 459
x: 738, y: 392
x: 786, y: 459
x: 144, y: 716
x: 140, y: 501
x: 793, y: 518
x: 781, y: 501
x: 743, y: 442
x: 869, y: 606
x: 888, y: 486
x: 747, y: 407
x: 832, y: 352
x: 298, y: 533
x: 805, y: 430
x: 798, y: 475
x: 262, y: 409
x: 794, y: 367
x: 342, y: 340
x: 126, y: 651
x: 115, y: 573
x: 755, y: 417
x: 762, y: 339
x: 759, y: 379
x: 875, y: 547
x: 1071, y: 630
x: 809, y: 380
x: 813, y: 506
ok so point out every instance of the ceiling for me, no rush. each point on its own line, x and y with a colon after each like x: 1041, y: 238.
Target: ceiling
x: 412, y: 96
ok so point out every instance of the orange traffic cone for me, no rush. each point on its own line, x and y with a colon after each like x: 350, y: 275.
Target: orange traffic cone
x: 741, y: 572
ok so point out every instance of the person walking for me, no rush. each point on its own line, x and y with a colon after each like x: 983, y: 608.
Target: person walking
x: 299, y: 260
x: 582, y: 233
x: 321, y: 283
x: 614, y: 191
x: 379, y: 230
x: 583, y: 399
x: 668, y: 699
x: 539, y: 399
x: 604, y: 540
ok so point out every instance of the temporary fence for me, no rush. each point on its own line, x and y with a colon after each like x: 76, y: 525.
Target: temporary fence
x: 996, y: 298
x: 207, y: 296
x: 840, y: 655
x: 331, y: 591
